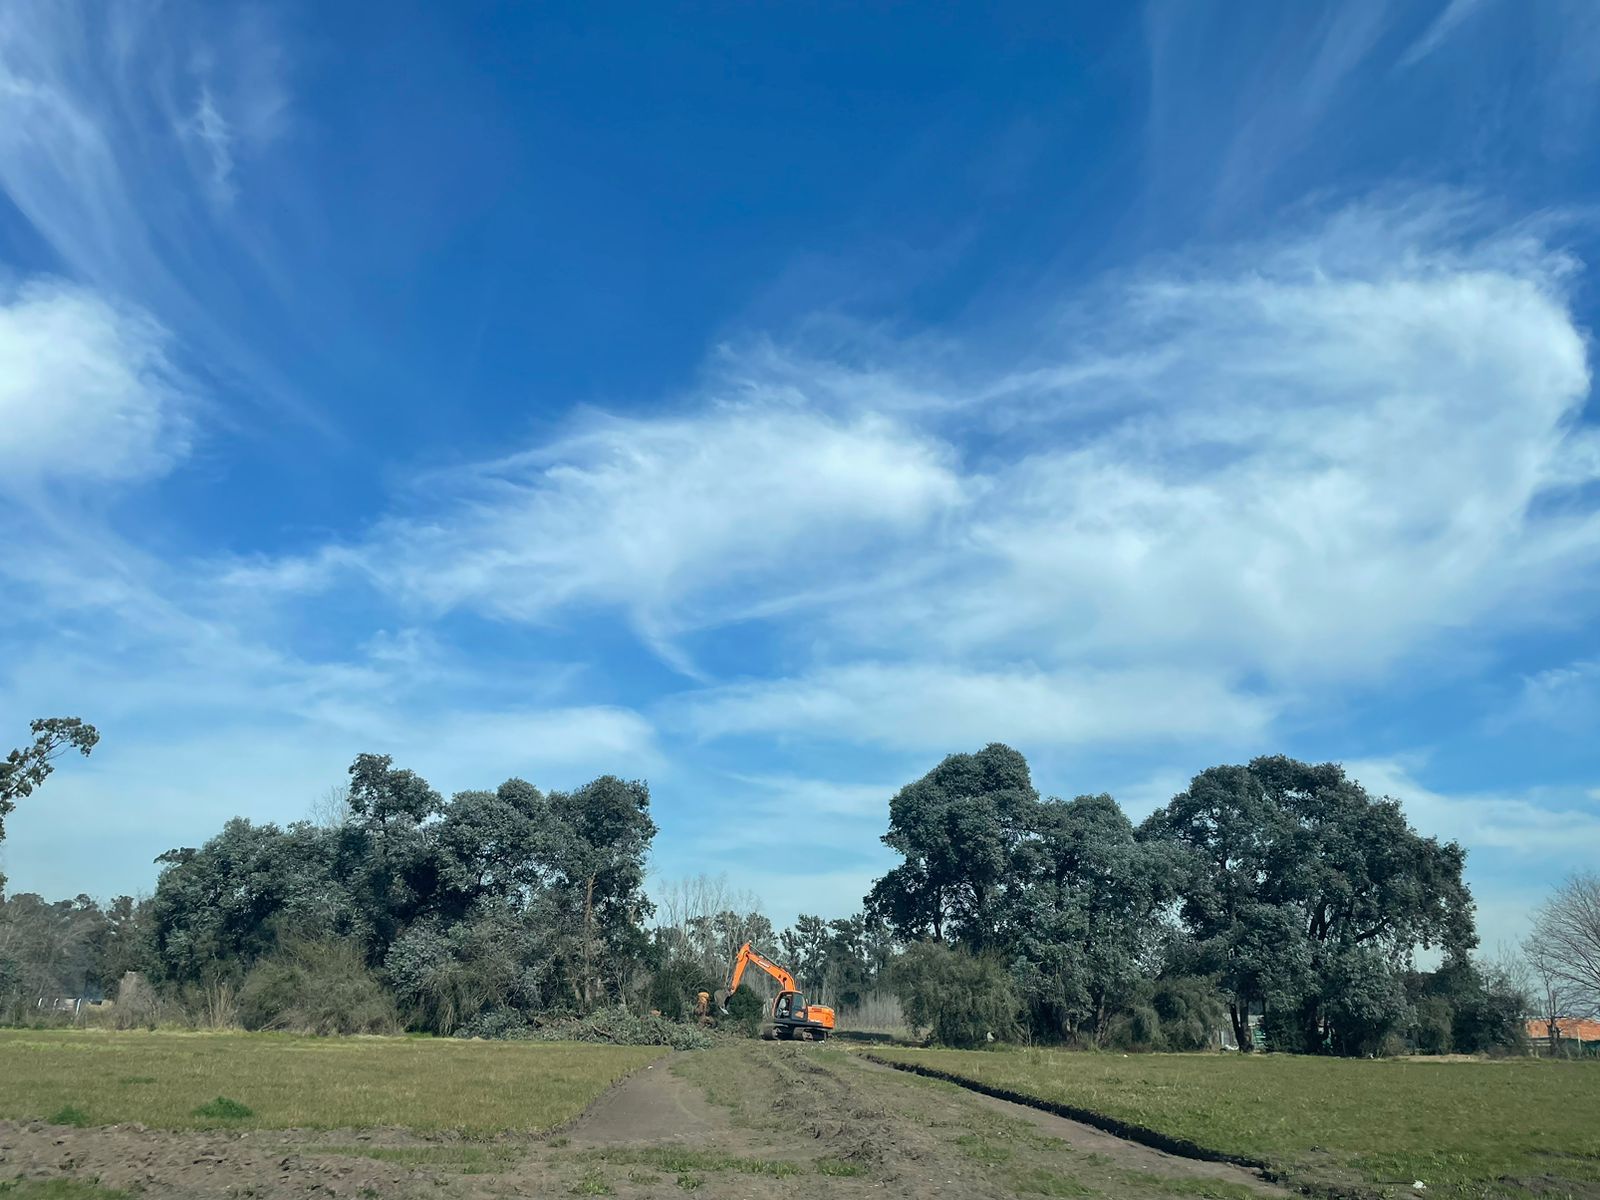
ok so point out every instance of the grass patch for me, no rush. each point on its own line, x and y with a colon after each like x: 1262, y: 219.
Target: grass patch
x: 467, y: 1160
x: 837, y: 1167
x: 57, y: 1189
x: 982, y: 1149
x: 70, y: 1114
x: 590, y: 1183
x: 224, y: 1109
x: 690, y: 1183
x: 1039, y: 1182
x: 677, y: 1159
x: 423, y: 1084
x: 1467, y: 1129
x: 1208, y: 1189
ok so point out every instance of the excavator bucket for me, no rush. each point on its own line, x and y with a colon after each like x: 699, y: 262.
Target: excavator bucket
x: 721, y: 996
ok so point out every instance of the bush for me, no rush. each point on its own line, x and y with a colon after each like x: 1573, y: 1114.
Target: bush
x: 138, y: 1006
x: 746, y: 1011
x: 317, y: 987
x: 496, y: 1024
x: 1138, y: 1027
x: 1191, y: 1011
x: 620, y: 1027
x: 1432, y: 1025
x: 673, y: 988
x: 616, y: 1026
x: 964, y: 1000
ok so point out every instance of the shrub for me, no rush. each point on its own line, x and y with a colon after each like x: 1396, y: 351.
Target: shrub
x: 616, y: 1026
x: 138, y: 1006
x: 745, y: 1011
x: 620, y: 1027
x: 963, y: 999
x: 673, y: 987
x: 1191, y: 1010
x: 317, y: 987
x: 224, y: 1109
x: 496, y: 1024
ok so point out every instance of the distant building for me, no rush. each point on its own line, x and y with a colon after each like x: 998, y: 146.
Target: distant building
x: 1582, y: 1032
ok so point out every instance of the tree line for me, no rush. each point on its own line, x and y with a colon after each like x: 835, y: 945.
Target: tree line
x: 1276, y: 902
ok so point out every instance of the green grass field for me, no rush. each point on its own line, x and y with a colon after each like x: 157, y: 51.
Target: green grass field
x: 1463, y: 1128
x: 174, y: 1080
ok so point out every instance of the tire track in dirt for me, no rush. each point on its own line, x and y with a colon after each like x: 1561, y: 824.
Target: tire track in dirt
x: 652, y: 1105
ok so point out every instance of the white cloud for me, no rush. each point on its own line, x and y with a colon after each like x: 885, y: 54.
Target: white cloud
x: 929, y: 707
x: 86, y: 389
x: 678, y: 522
x: 1555, y: 829
x: 1565, y: 697
x: 1226, y: 482
x: 1519, y: 843
x: 1439, y: 29
x: 216, y: 137
x: 1334, y: 452
x: 125, y: 130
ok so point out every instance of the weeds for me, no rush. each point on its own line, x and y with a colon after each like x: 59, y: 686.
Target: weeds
x: 56, y: 1189
x: 467, y: 1160
x: 982, y: 1149
x: 590, y: 1183
x: 224, y: 1109
x: 1039, y: 1182
x: 838, y: 1167
x: 70, y: 1114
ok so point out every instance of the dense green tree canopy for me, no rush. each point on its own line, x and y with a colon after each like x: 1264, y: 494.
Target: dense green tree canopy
x: 1307, y: 896
x: 493, y: 898
x: 958, y: 828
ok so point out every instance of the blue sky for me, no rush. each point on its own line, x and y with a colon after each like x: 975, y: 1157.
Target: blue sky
x: 769, y: 402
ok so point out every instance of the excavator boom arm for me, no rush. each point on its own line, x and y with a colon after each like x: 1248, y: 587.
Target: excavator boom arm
x: 748, y: 957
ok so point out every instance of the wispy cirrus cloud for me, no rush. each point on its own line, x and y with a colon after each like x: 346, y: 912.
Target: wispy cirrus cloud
x: 127, y: 133
x: 1235, y: 477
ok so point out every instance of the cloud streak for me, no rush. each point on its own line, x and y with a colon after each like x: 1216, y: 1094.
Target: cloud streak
x: 1237, y: 476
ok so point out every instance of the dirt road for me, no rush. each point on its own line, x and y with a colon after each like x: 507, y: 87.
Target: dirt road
x: 743, y: 1120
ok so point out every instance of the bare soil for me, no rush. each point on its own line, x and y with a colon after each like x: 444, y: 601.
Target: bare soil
x: 743, y: 1120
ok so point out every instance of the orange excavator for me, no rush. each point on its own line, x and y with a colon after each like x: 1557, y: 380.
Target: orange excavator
x: 790, y: 1016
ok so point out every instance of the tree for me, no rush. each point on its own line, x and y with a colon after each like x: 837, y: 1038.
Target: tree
x: 958, y: 829
x: 216, y: 910
x: 1551, y: 994
x: 1086, y: 916
x: 492, y: 845
x: 1297, y: 884
x: 1565, y: 944
x: 26, y: 768
x: 49, y: 950
x: 600, y: 836
x: 384, y: 849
